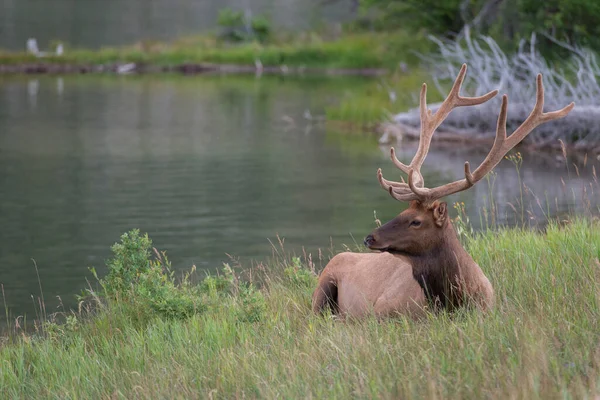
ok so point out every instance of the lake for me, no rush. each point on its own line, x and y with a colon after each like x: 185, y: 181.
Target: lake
x: 210, y: 167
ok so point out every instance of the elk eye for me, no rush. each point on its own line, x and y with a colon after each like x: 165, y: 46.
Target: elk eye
x: 415, y: 223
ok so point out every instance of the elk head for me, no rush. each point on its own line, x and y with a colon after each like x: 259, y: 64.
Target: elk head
x: 414, y: 231
x: 425, y: 225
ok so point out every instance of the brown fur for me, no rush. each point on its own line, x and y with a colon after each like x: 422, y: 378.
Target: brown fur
x: 421, y: 264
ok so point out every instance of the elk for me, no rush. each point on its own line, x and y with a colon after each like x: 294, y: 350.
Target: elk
x: 420, y: 263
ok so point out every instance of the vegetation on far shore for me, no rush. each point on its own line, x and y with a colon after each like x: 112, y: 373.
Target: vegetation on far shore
x: 382, y: 33
x: 242, y: 39
x: 143, y: 336
x: 363, y: 50
x: 506, y: 21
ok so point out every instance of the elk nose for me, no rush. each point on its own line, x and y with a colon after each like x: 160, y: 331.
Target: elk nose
x: 369, y: 240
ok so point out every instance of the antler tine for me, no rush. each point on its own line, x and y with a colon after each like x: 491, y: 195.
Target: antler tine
x: 537, y: 116
x: 399, y: 191
x: 499, y: 141
x: 502, y: 143
x: 403, y: 167
x: 429, y: 123
x: 420, y: 192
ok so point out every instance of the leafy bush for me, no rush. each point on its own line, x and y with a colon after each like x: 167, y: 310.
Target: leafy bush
x: 437, y: 17
x: 300, y: 276
x: 250, y: 305
x: 261, y: 27
x: 577, y: 21
x: 219, y: 285
x: 135, y: 277
x: 143, y: 286
x: 508, y: 21
x: 226, y: 292
x: 57, y: 331
x: 237, y: 27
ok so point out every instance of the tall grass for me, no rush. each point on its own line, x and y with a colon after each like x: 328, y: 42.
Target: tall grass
x: 542, y: 340
x: 368, y: 105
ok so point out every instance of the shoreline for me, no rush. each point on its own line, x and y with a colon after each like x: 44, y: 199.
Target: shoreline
x: 352, y: 54
x: 49, y: 68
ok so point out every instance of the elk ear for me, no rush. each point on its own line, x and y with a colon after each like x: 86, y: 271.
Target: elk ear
x: 440, y: 213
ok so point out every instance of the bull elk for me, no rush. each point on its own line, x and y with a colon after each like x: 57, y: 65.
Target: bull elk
x: 421, y: 262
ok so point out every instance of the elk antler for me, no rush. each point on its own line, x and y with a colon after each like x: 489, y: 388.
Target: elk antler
x: 415, y: 189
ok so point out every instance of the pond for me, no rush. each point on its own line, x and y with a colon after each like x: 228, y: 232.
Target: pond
x: 210, y: 167
x: 92, y: 24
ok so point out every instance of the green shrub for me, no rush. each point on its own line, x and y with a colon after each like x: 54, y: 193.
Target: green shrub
x: 508, y: 21
x: 261, y: 27
x: 226, y: 294
x: 146, y: 282
x: 236, y: 27
x: 220, y: 284
x: 250, y: 304
x: 140, y: 283
x: 299, y: 276
x: 131, y: 260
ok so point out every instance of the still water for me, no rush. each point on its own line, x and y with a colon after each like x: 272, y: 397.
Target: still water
x: 208, y: 166
x: 96, y: 23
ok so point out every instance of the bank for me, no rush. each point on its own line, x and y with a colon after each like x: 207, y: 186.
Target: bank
x: 371, y: 54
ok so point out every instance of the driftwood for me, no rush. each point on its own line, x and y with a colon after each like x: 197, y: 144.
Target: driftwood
x: 489, y: 69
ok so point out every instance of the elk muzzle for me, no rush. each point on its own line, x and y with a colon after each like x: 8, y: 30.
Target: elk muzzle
x: 369, y: 241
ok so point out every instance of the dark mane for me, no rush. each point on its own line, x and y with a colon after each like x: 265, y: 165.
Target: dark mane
x: 438, y: 273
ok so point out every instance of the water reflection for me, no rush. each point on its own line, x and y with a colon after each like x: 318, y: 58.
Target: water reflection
x: 207, y: 166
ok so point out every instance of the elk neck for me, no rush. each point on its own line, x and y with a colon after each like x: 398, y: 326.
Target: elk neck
x: 445, y: 271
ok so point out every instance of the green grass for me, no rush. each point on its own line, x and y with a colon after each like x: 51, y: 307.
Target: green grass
x: 370, y: 104
x: 542, y: 340
x: 349, y: 50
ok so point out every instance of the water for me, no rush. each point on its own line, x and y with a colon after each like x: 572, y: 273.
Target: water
x: 208, y: 166
x: 96, y: 23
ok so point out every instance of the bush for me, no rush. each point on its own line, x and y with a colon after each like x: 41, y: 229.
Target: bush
x: 140, y: 283
x: 219, y: 285
x: 300, y: 277
x: 250, y: 305
x: 226, y: 293
x: 508, y: 21
x: 146, y: 282
x: 237, y: 27
x: 436, y: 17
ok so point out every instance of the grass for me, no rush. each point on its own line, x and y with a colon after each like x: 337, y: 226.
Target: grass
x: 542, y: 340
x: 349, y: 50
x: 367, y: 105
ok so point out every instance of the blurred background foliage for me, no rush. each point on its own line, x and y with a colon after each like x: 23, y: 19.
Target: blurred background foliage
x: 507, y: 21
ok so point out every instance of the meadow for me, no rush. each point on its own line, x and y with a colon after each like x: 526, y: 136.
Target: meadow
x: 141, y: 333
